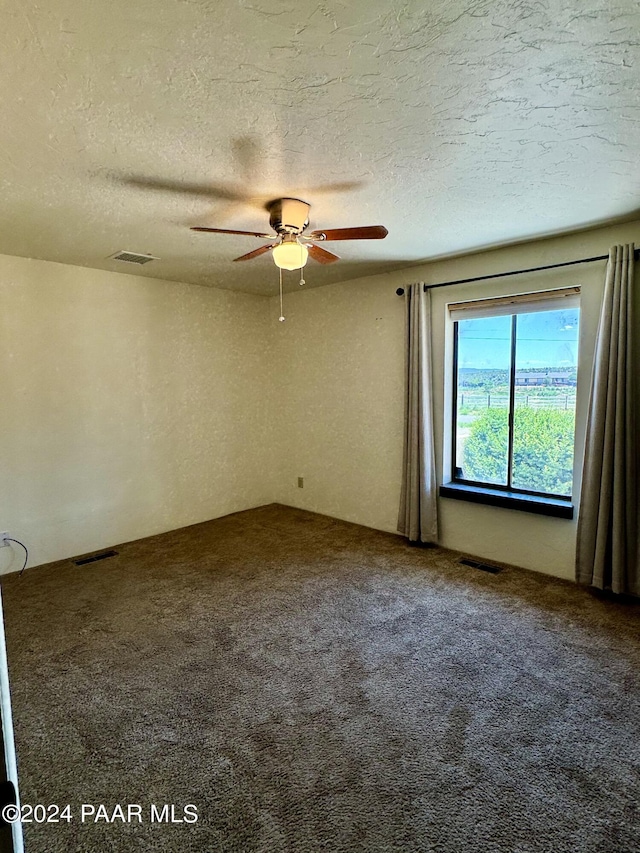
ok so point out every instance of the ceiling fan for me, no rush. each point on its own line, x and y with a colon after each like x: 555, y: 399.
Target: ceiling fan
x: 289, y: 217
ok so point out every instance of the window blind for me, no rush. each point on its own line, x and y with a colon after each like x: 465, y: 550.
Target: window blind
x: 521, y: 303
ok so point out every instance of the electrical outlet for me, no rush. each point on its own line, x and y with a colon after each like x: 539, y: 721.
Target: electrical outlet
x: 3, y: 537
x: 301, y: 482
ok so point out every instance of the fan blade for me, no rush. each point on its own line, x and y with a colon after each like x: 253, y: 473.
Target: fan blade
x: 255, y: 253
x: 327, y: 189
x: 368, y: 232
x: 321, y: 255
x: 208, y: 190
x: 229, y: 231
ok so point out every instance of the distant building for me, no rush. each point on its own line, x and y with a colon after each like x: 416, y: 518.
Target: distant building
x: 547, y: 377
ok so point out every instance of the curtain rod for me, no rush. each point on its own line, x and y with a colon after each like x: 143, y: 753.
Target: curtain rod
x: 400, y: 290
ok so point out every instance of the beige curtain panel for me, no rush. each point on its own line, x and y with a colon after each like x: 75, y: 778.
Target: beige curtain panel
x: 607, y: 550
x: 418, y: 515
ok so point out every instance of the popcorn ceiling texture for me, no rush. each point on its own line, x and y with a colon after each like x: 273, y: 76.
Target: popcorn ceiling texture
x: 456, y: 124
x: 315, y: 686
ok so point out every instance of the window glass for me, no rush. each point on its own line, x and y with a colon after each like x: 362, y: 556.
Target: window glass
x: 482, y: 439
x: 545, y: 401
x: 515, y: 400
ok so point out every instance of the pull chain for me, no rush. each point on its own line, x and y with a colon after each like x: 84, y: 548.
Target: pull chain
x: 281, y: 317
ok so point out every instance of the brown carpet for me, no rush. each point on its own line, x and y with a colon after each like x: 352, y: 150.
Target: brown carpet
x: 313, y: 685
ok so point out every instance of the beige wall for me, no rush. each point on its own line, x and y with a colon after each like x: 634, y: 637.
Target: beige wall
x: 340, y: 393
x: 132, y: 406
x: 128, y: 406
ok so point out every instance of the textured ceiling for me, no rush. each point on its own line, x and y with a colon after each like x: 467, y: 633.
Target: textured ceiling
x: 455, y: 124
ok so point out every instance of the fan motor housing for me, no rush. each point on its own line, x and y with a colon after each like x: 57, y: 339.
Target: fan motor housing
x: 288, y: 215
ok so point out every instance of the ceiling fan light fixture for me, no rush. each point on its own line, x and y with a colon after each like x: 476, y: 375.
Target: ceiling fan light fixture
x: 290, y: 255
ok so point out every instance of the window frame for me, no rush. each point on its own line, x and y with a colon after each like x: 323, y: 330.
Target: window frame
x: 494, y: 493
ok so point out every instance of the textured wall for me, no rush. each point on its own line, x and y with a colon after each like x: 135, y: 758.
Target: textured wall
x: 129, y: 406
x: 132, y: 406
x: 340, y: 387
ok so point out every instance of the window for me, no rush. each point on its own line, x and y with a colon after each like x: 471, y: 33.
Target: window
x: 514, y: 395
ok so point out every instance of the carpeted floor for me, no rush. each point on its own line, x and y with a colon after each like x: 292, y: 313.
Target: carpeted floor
x: 312, y: 685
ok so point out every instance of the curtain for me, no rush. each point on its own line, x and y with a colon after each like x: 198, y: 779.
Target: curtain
x: 418, y: 515
x: 607, y: 551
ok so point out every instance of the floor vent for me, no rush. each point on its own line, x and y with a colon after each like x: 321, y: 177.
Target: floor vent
x: 103, y: 555
x: 484, y: 567
x: 132, y: 257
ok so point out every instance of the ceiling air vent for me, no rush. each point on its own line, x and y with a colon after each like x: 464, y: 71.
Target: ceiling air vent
x: 132, y: 257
